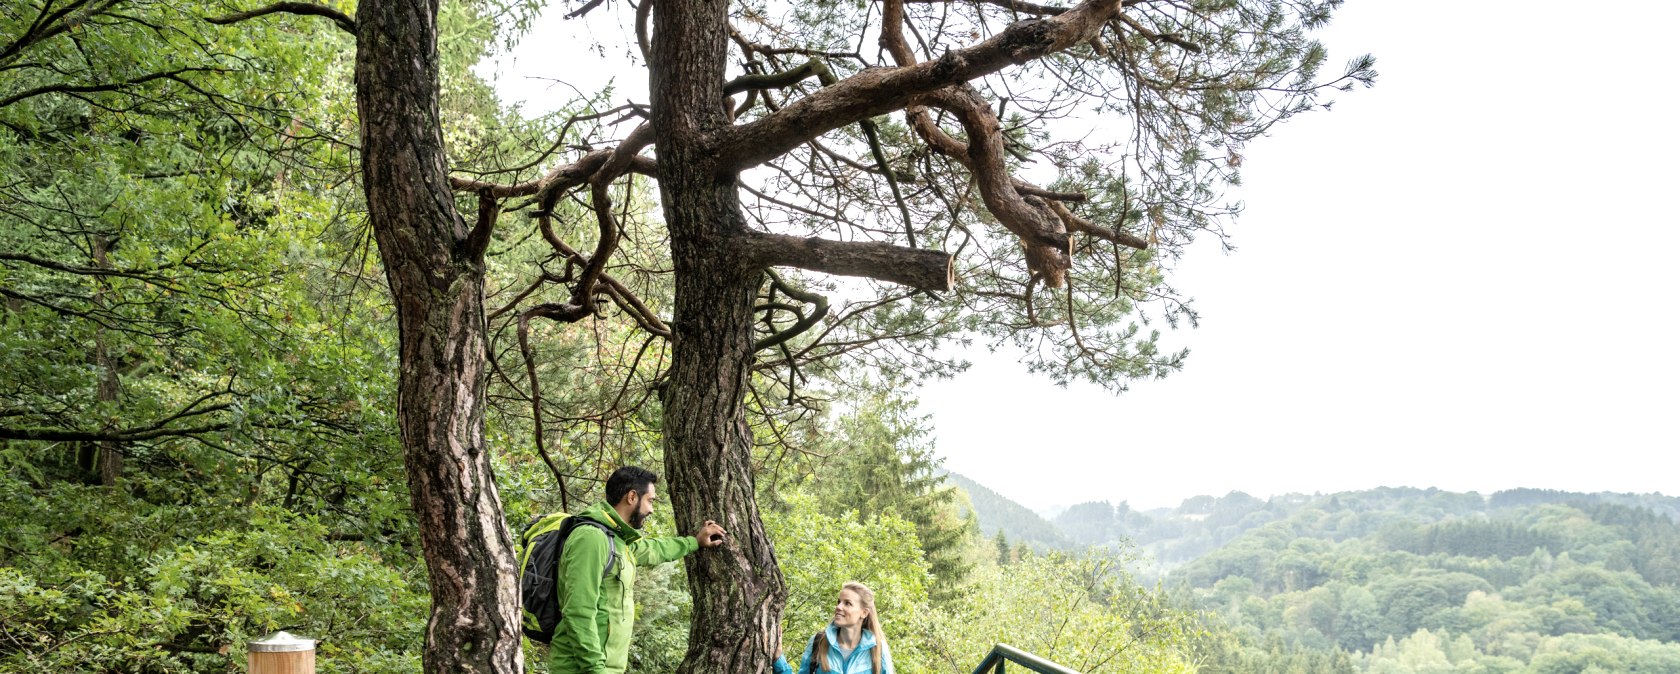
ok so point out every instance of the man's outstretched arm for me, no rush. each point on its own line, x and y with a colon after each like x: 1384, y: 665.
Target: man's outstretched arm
x: 650, y: 551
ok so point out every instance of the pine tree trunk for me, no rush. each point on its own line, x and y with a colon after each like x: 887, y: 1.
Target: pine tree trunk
x: 437, y: 280
x: 738, y: 589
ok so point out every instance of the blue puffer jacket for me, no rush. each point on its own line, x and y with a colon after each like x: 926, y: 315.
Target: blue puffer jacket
x: 861, y: 661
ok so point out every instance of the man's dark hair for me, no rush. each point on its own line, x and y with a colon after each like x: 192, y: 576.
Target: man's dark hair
x: 626, y: 480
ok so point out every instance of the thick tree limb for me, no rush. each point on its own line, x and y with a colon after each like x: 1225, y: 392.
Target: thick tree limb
x: 1047, y: 257
x: 1030, y: 190
x: 585, y: 9
x: 880, y: 90
x: 917, y: 268
x: 870, y: 132
x: 1048, y: 247
x: 343, y: 20
x: 605, y: 244
x: 643, y: 10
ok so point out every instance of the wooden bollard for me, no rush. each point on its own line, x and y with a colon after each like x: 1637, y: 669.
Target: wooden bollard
x: 282, y: 653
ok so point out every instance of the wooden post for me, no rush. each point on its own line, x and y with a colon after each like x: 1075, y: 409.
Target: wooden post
x: 282, y: 653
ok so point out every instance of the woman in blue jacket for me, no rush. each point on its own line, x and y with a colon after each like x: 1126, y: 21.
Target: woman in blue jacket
x: 854, y: 642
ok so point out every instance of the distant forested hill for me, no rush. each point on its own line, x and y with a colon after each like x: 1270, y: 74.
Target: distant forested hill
x: 1403, y: 580
x: 1018, y: 522
x: 1413, y: 581
x: 1203, y: 524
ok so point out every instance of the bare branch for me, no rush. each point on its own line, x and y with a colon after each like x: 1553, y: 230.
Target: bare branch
x: 805, y: 322
x: 592, y: 4
x: 299, y: 8
x: 536, y: 406
x: 1153, y: 36
x: 149, y: 276
x: 620, y: 294
x: 779, y: 80
x: 49, y: 24
x: 1075, y: 223
x: 567, y: 176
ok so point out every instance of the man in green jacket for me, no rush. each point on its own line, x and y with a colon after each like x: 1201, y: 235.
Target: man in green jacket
x: 596, y: 612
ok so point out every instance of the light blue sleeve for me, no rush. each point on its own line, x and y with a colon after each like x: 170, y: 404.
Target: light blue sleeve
x: 781, y: 665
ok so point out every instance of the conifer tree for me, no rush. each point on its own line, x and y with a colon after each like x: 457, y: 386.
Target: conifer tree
x: 884, y: 462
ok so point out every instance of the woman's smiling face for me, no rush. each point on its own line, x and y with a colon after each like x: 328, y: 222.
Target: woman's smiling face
x: 849, y: 610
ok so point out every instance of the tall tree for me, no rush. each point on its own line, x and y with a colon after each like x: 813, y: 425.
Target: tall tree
x: 883, y: 463
x: 834, y: 191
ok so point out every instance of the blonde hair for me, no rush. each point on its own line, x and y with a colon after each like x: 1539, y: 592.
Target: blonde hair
x: 871, y: 622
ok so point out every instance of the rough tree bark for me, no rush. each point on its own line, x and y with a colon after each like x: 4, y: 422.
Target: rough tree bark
x: 738, y: 589
x: 435, y: 266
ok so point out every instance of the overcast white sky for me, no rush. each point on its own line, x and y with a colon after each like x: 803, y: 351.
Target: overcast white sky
x: 1460, y: 278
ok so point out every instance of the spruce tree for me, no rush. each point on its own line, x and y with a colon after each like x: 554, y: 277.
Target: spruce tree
x: 884, y: 462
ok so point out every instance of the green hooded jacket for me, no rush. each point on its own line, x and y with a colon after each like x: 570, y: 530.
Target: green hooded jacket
x: 596, y: 613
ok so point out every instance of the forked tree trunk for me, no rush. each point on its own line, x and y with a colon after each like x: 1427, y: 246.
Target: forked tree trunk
x: 738, y: 589
x: 435, y: 268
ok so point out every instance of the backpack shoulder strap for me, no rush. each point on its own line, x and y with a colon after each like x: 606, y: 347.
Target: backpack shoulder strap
x: 612, y: 539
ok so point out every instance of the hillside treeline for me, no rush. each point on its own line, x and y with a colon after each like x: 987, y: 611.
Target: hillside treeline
x: 1407, y: 580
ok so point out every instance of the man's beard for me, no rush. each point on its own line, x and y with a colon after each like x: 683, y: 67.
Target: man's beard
x: 636, y: 520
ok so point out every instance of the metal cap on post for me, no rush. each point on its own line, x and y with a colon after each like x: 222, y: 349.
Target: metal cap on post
x: 282, y: 653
